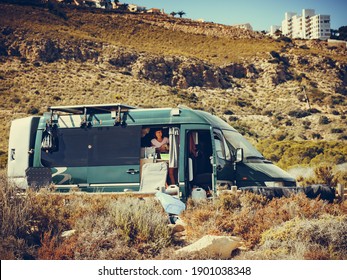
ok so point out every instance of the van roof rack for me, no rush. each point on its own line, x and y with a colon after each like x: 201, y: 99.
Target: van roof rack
x: 91, y: 109
x: 116, y: 111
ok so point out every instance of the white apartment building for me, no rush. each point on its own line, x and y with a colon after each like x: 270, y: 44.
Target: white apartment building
x: 307, y: 26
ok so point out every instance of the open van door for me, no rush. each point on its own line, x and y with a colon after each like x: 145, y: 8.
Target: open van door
x: 201, y: 165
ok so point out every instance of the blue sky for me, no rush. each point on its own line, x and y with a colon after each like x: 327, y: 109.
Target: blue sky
x: 261, y: 14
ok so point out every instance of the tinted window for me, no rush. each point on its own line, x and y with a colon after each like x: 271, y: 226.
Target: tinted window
x: 219, y: 148
x: 71, y: 149
x: 95, y: 147
x: 115, y: 146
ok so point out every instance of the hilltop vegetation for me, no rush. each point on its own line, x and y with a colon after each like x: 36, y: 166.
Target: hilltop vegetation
x: 271, y: 90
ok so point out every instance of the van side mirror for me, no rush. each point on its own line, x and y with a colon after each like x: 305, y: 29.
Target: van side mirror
x: 239, y: 155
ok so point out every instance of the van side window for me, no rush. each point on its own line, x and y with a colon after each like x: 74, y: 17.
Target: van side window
x: 221, y: 146
x: 102, y: 146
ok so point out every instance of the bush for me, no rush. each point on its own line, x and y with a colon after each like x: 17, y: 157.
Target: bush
x: 50, y: 213
x: 33, y: 111
x: 141, y: 220
x: 105, y: 227
x: 337, y: 130
x: 299, y: 113
x: 228, y: 112
x: 288, y: 123
x: 242, y: 103
x: 316, y: 136
x: 249, y: 215
x: 291, y: 153
x: 15, y: 226
x: 314, y: 111
x: 301, y: 238
x: 233, y: 119
x: 109, y: 228
x: 324, y: 120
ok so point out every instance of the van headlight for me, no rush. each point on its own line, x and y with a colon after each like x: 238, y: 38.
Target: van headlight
x: 274, y: 184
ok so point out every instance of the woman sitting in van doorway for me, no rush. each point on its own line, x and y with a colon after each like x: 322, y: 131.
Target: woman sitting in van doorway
x: 162, y: 146
x: 159, y: 142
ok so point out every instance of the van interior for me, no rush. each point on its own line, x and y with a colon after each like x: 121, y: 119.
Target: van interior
x: 199, y: 152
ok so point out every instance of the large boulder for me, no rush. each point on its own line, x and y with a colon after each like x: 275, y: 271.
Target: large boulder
x: 214, y: 245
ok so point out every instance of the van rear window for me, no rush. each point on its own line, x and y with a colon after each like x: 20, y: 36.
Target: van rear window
x: 102, y: 146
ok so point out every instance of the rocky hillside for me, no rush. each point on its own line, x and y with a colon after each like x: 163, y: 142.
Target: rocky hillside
x: 286, y: 89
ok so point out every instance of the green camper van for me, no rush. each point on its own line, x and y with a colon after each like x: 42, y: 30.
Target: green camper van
x: 109, y: 148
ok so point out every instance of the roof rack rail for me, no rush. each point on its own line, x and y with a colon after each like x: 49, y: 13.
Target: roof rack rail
x: 115, y: 109
x: 91, y: 109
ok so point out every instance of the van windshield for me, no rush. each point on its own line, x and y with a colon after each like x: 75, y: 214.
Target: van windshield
x: 236, y: 140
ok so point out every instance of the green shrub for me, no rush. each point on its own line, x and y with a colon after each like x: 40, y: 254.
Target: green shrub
x: 300, y: 238
x: 316, y: 136
x: 337, y: 130
x: 290, y: 153
x: 324, y: 120
x: 33, y: 111
x: 299, y: 113
x: 326, y: 174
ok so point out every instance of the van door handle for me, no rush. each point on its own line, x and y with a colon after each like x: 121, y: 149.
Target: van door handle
x: 132, y: 171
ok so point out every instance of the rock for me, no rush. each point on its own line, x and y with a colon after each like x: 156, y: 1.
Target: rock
x: 179, y: 72
x: 68, y: 233
x: 214, y: 245
x: 236, y: 70
x: 176, y: 228
x: 179, y: 236
x: 123, y: 59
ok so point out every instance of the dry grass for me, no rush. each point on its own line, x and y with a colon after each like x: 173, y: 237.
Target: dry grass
x: 142, y: 34
x: 323, y: 238
x: 106, y: 227
x: 113, y: 227
x: 15, y: 227
x: 250, y: 215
